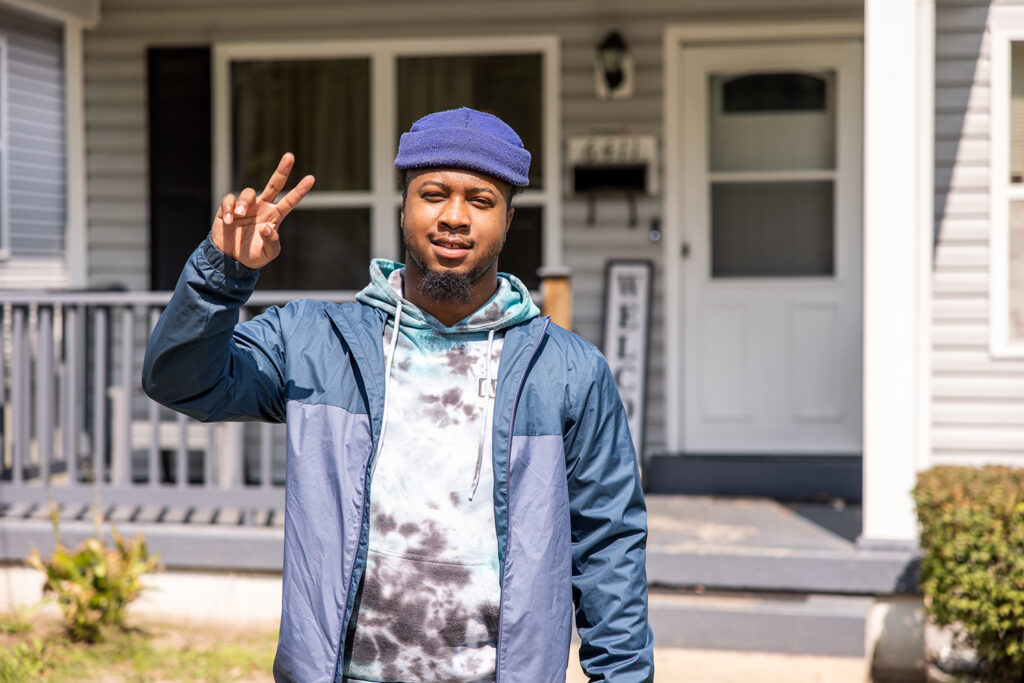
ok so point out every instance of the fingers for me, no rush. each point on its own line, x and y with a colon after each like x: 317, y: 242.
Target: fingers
x: 268, y: 231
x: 291, y: 199
x: 227, y: 208
x: 246, y: 202
x: 278, y: 179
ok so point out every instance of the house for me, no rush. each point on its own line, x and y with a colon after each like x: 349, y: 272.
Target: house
x: 835, y: 229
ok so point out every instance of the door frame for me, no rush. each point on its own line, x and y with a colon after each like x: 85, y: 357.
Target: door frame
x: 677, y: 38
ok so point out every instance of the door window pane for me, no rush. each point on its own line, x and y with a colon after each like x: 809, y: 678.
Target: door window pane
x: 508, y: 86
x: 772, y: 229
x: 321, y: 249
x: 772, y: 122
x: 317, y: 109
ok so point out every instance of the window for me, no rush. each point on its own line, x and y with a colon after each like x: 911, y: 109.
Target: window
x: 773, y: 174
x: 1006, y: 252
x: 341, y: 107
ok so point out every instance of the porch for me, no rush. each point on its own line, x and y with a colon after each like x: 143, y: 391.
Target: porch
x: 77, y: 432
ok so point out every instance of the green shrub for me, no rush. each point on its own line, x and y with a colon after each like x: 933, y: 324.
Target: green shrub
x: 94, y: 583
x: 972, y: 569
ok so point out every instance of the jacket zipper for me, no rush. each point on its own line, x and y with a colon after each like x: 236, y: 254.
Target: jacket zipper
x: 508, y: 494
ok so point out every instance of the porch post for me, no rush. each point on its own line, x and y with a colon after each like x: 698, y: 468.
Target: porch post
x: 898, y: 114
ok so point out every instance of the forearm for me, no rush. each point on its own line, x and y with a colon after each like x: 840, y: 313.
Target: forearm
x: 197, y: 362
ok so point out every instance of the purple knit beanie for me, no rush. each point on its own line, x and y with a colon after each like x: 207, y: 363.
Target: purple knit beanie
x: 465, y: 138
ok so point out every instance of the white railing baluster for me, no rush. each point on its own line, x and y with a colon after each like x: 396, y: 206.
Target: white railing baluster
x: 181, y: 455
x: 20, y: 363
x: 208, y: 453
x: 154, y: 423
x: 122, y: 458
x: 44, y: 391
x: 73, y: 428
x: 266, y: 452
x: 6, y: 456
x: 99, y: 394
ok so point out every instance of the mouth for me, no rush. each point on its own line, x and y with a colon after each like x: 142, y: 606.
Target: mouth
x: 450, y: 247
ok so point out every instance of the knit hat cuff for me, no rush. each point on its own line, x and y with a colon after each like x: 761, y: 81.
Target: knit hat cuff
x: 461, y: 147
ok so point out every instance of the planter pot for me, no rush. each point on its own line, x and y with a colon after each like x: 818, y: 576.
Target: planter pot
x: 949, y: 661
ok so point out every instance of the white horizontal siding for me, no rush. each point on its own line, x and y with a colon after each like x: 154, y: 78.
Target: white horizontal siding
x: 977, y: 401
x: 33, y: 272
x: 35, y: 152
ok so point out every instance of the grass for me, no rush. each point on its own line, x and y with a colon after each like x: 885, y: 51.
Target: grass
x: 38, y: 650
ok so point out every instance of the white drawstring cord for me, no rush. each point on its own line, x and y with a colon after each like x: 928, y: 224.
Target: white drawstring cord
x: 487, y: 412
x: 387, y: 384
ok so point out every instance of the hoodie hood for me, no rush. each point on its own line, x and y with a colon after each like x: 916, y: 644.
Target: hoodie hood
x: 510, y: 305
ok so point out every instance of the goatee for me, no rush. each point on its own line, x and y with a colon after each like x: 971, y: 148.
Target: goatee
x: 446, y: 287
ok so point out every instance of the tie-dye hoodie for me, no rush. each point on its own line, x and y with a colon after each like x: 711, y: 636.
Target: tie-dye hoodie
x: 427, y: 608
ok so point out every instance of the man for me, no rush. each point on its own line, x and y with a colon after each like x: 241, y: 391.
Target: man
x: 459, y: 470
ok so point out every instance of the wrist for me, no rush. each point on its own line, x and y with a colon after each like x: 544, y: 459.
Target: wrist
x: 229, y: 267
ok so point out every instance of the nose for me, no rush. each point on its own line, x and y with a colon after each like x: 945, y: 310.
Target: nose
x: 455, y: 215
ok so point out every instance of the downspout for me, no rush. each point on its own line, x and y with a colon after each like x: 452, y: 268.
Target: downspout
x: 76, y: 221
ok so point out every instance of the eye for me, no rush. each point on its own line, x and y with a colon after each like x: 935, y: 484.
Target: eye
x: 483, y: 202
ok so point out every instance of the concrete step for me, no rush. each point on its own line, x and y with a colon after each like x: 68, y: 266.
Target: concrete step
x: 799, y: 624
x: 852, y: 572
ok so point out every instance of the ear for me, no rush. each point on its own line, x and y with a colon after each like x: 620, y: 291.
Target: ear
x: 508, y: 219
x: 401, y: 219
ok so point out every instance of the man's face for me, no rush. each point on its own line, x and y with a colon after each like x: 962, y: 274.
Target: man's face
x: 454, y: 224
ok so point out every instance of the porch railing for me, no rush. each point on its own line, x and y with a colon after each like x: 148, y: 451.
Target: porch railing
x: 76, y: 426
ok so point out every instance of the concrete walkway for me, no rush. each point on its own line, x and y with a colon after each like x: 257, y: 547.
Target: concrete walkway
x: 722, y: 666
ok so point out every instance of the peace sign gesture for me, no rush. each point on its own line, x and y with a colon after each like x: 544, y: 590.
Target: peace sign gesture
x: 246, y: 228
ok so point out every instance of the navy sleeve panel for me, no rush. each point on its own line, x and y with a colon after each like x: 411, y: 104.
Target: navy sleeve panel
x: 200, y: 363
x: 609, y: 529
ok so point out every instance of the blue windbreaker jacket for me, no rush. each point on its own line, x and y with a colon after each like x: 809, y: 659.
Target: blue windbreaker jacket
x: 569, y: 511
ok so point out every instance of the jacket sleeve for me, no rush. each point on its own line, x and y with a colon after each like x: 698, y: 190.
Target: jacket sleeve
x: 200, y: 362
x: 609, y: 534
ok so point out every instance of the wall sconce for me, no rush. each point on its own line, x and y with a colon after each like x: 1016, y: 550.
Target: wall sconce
x: 613, y: 68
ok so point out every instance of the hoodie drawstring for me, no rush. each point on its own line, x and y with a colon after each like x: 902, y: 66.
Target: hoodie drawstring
x: 487, y: 413
x: 387, y: 384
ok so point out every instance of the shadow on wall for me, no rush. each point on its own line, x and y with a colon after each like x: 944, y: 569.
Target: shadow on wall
x: 959, y: 32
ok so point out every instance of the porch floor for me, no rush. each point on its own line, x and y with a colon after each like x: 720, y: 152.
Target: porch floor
x: 760, y: 544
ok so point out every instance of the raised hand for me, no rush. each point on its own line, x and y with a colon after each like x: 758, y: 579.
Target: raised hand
x: 246, y: 227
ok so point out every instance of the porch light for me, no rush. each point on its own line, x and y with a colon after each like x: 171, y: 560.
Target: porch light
x: 614, y: 68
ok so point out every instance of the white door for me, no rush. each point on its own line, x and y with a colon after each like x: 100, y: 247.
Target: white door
x: 771, y: 252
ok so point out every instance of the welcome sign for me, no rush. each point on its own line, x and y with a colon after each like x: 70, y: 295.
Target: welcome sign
x: 627, y: 319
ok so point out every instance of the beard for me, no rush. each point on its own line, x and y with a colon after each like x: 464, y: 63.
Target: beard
x: 446, y: 286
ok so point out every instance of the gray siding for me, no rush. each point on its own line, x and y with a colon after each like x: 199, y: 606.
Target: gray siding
x: 116, y: 108
x: 977, y: 400
x: 35, y: 126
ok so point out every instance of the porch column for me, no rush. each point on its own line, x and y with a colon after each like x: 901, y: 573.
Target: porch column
x: 898, y: 187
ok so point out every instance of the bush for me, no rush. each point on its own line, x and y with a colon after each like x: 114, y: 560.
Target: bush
x: 972, y: 569
x: 94, y: 583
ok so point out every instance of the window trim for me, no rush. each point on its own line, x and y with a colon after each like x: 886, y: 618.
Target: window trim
x: 382, y: 199
x: 1006, y: 28
x: 5, y: 203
